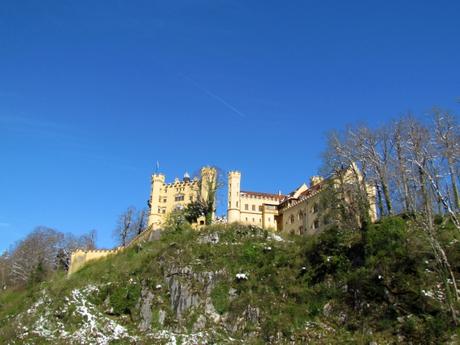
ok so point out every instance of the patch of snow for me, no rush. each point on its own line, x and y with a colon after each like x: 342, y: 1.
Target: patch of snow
x: 95, y: 328
x: 241, y: 276
x: 170, y: 338
x: 428, y: 293
x: 276, y: 238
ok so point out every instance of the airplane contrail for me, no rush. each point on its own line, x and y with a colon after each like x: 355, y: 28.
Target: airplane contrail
x: 216, y: 97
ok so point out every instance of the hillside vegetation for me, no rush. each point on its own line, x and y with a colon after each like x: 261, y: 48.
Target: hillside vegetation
x: 234, y: 284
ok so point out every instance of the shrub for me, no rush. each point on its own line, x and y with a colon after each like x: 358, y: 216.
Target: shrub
x: 219, y: 297
x: 123, y: 299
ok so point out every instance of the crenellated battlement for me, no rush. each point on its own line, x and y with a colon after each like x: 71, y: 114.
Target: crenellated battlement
x: 167, y: 197
x: 80, y: 257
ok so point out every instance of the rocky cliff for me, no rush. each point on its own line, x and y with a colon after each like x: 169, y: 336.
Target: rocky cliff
x: 234, y: 285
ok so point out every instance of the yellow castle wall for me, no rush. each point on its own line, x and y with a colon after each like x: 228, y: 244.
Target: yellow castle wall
x: 80, y: 257
x: 166, y: 197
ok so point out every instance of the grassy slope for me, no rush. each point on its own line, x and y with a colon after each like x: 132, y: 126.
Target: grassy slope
x: 334, y: 288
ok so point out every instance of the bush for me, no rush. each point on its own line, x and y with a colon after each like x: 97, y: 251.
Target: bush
x: 123, y: 299
x: 386, y: 241
x: 219, y: 297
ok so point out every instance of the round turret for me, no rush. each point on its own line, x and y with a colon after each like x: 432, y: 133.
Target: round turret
x: 233, y: 211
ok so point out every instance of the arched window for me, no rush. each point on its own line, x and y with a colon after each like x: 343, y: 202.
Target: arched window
x: 315, y: 208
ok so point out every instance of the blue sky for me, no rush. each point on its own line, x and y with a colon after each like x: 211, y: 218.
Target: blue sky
x: 93, y: 93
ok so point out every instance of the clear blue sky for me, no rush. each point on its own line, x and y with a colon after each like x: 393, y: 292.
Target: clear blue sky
x: 93, y: 93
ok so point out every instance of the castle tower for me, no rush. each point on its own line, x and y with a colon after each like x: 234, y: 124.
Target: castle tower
x: 208, y: 181
x: 208, y: 184
x: 233, y: 211
x: 155, y: 215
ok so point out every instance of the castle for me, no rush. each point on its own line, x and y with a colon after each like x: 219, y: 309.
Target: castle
x: 166, y: 197
x: 299, y: 212
x: 296, y: 212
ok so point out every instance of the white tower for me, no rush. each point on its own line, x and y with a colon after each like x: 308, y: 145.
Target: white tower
x: 234, y: 204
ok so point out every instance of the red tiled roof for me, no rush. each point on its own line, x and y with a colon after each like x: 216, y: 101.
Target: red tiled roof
x: 312, y: 189
x: 265, y: 195
x: 305, y: 194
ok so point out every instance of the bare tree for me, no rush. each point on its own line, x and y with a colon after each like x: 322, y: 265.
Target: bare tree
x: 140, y: 222
x: 447, y: 136
x: 124, y: 229
x: 5, y: 272
x: 343, y: 160
x: 401, y: 168
x: 88, y: 241
x: 374, y: 150
x: 417, y: 158
x: 38, y: 249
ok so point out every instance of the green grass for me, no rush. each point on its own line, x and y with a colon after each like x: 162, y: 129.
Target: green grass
x: 289, y: 282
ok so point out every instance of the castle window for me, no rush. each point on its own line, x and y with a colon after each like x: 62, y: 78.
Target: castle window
x: 253, y: 207
x: 316, y: 224
x: 164, y: 200
x: 237, y: 204
x: 246, y: 207
x: 260, y: 208
x: 253, y: 220
x: 179, y: 197
x: 300, y: 215
x: 292, y: 219
x: 246, y: 218
x: 315, y: 208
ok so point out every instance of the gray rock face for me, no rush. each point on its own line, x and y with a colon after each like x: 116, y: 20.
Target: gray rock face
x: 200, y: 323
x: 155, y: 235
x: 250, y: 314
x: 161, y: 317
x: 211, y: 311
x: 145, y: 309
x: 211, y: 238
x: 188, y: 289
x: 327, y: 309
x: 232, y: 294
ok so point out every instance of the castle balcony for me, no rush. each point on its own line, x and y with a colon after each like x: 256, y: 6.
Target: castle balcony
x: 270, y: 209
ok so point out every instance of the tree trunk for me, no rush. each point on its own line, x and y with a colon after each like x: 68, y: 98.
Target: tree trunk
x: 379, y: 199
x: 453, y: 179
